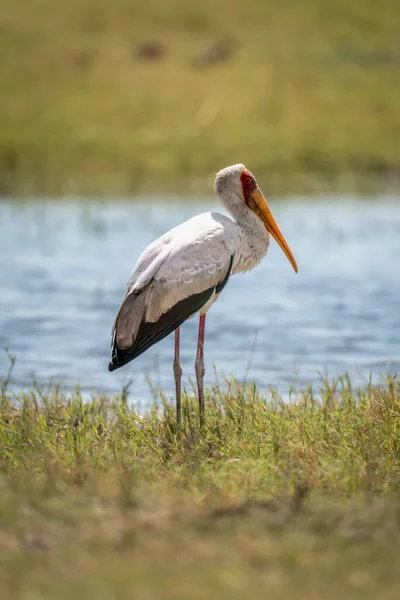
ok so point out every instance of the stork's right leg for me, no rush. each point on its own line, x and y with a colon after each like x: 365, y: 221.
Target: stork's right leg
x: 177, y: 375
x: 199, y: 367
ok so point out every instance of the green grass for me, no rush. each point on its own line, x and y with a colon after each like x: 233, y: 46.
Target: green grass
x: 308, y: 96
x: 270, y: 500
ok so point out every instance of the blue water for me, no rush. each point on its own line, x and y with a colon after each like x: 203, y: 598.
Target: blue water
x: 64, y: 264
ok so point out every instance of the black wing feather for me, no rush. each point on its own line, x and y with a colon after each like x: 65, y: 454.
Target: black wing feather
x: 151, y: 333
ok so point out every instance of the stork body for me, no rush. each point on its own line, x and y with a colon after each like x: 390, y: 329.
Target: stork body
x: 184, y: 271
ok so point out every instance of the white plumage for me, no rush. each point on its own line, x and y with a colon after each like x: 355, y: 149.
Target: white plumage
x: 183, y: 272
x: 187, y: 260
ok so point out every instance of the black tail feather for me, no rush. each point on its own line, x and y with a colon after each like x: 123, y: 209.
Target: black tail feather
x: 151, y: 333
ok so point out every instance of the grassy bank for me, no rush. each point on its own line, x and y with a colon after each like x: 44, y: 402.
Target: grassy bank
x: 118, y: 97
x: 271, y: 500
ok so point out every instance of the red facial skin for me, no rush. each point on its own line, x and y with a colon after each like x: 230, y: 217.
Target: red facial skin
x: 249, y: 184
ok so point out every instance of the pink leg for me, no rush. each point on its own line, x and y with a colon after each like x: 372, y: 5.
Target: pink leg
x: 199, y: 367
x: 177, y: 375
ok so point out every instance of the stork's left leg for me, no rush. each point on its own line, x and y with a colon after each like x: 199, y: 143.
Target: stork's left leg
x: 199, y: 367
x: 177, y: 375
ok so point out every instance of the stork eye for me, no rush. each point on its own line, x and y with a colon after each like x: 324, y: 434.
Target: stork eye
x: 247, y: 180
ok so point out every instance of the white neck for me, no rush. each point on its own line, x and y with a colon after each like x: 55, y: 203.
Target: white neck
x: 252, y: 237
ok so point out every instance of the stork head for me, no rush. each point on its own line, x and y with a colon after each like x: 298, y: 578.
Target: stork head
x: 238, y: 190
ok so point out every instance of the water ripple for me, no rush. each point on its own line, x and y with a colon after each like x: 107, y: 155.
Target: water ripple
x: 63, y: 267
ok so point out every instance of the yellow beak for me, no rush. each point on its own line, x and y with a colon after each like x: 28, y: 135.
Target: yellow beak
x: 259, y: 205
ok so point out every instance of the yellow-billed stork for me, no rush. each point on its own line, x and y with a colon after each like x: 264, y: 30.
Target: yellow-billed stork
x: 184, y: 271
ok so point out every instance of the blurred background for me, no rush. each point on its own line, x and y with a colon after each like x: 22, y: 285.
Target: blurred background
x: 123, y: 96
x: 114, y: 118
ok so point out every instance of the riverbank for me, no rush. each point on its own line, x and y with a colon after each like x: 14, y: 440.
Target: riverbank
x: 298, y: 500
x: 119, y: 98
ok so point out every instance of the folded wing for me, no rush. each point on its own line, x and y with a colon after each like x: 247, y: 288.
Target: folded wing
x: 174, y: 278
